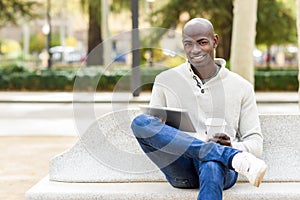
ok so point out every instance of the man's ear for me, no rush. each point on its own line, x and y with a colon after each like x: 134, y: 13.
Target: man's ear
x: 216, y: 40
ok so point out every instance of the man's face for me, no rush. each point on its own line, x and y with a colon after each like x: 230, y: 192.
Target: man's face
x: 199, y: 43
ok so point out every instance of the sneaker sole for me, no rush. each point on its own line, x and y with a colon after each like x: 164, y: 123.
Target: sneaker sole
x: 258, y: 179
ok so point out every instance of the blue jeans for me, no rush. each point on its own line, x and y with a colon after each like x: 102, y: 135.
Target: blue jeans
x: 186, y: 161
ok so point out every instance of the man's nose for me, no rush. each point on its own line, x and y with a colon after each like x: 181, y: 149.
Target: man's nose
x: 196, y: 48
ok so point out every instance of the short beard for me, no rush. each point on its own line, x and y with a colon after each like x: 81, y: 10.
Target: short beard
x: 200, y: 65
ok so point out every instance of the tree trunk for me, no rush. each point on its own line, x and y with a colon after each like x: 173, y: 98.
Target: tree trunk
x: 95, y: 47
x: 107, y: 44
x: 243, y: 38
x: 136, y: 83
x: 268, y: 58
x: 223, y: 50
x: 298, y: 30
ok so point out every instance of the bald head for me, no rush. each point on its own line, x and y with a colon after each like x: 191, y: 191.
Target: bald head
x: 199, y: 42
x: 196, y: 25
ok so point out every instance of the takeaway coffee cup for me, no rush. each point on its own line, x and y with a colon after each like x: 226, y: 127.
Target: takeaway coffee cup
x: 214, y: 125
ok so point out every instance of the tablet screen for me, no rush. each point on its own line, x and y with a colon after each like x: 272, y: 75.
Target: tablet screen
x: 175, y: 117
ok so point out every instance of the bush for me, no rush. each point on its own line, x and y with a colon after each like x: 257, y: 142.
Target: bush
x: 276, y: 80
x: 11, y: 68
x: 16, y: 77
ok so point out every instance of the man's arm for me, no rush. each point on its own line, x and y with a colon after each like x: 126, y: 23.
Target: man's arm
x: 250, y: 136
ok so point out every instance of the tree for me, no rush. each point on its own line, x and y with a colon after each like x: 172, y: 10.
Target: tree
x: 93, y: 7
x: 271, y: 13
x: 13, y: 10
x: 275, y: 25
x: 243, y: 38
x: 95, y: 35
x: 298, y: 30
x: 119, y: 5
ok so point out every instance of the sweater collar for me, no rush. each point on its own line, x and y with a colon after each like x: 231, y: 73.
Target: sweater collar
x: 219, y: 61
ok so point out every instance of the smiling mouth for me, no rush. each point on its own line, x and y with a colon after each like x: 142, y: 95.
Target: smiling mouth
x: 198, y: 57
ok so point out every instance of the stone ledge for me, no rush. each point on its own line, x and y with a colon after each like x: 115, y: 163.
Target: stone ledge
x: 108, y: 152
x: 52, y: 190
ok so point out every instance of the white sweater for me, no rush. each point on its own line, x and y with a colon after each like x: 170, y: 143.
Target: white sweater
x: 227, y: 95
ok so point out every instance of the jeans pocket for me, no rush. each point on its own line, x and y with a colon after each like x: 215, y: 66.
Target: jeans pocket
x: 182, y: 183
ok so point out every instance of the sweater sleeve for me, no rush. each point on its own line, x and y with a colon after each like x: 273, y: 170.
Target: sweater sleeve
x: 249, y: 132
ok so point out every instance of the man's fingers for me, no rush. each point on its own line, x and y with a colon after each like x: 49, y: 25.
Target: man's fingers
x: 161, y: 119
x: 222, y: 136
x: 222, y: 139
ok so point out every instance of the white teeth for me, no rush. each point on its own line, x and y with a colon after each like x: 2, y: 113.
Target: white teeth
x: 197, y: 57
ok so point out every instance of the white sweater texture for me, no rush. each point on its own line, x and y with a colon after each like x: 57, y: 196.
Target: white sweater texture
x: 227, y: 96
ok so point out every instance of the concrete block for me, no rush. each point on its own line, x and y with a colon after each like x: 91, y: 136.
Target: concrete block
x: 107, y: 163
x: 52, y: 190
x: 281, y: 146
x: 108, y: 152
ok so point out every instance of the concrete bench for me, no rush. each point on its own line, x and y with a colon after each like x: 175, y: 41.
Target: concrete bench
x: 107, y: 163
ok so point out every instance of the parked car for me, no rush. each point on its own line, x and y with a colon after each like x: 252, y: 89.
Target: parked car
x: 67, y: 54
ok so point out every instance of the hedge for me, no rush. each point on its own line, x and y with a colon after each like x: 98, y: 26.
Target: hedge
x: 89, y: 78
x: 276, y: 80
x: 96, y: 78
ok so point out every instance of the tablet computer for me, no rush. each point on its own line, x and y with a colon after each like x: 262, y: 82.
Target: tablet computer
x: 175, y: 117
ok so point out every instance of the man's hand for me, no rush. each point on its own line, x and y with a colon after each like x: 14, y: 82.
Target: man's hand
x: 221, y: 139
x: 161, y: 119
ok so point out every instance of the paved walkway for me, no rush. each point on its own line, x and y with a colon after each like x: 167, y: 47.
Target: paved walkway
x: 107, y: 97
x: 52, y: 113
x: 25, y: 160
x: 69, y: 97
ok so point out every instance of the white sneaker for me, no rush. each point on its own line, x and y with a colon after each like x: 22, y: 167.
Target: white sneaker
x: 250, y: 166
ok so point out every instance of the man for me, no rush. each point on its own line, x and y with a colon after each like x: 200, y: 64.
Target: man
x: 206, y: 89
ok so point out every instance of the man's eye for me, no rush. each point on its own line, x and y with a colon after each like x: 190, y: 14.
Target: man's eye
x: 203, y: 42
x: 188, y: 44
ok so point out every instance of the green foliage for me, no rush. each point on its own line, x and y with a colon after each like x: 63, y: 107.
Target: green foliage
x: 276, y: 80
x: 276, y: 23
x: 11, y: 69
x: 174, y: 61
x: 55, y: 39
x: 157, y: 55
x: 38, y: 41
x: 119, y: 5
x: 19, y: 78
x: 12, y: 10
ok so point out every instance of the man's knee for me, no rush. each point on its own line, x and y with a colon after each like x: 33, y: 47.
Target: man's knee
x: 141, y: 120
x: 212, y: 172
x: 139, y: 124
x: 145, y: 125
x: 211, y: 167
